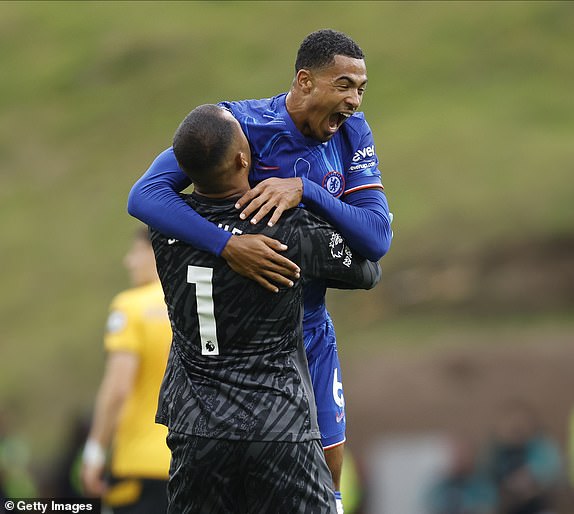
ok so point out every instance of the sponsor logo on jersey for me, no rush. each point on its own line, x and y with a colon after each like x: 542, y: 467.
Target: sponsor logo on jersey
x: 171, y: 241
x: 363, y: 153
x: 334, y: 182
x: 361, y: 166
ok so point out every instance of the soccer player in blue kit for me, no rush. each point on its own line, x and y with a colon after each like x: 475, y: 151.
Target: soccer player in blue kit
x: 320, y: 152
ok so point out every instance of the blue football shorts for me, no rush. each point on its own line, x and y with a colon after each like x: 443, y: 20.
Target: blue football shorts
x: 325, y: 370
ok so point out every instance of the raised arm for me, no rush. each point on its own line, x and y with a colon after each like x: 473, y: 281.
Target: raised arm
x: 154, y: 199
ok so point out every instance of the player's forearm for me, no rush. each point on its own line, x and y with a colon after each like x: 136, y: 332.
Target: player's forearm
x: 366, y: 276
x: 365, y: 225
x: 154, y: 199
x: 109, y: 403
x: 116, y: 386
x: 370, y: 274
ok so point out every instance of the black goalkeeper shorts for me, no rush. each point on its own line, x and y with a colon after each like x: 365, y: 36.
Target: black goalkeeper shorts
x: 218, y: 476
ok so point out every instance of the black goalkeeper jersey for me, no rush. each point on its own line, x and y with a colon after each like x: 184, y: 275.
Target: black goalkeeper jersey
x: 237, y: 367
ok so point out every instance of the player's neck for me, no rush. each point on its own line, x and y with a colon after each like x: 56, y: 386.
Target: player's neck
x: 296, y: 110
x: 229, y: 192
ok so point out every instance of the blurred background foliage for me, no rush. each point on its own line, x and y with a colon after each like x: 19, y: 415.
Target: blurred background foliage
x: 472, y: 110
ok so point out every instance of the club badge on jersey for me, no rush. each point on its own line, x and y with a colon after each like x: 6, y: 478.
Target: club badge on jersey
x: 117, y: 321
x: 334, y: 182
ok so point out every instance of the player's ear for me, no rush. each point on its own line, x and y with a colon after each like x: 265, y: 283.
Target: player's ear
x: 241, y: 161
x: 304, y: 80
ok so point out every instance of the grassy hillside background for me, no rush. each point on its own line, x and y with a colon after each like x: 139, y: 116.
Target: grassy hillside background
x: 472, y: 109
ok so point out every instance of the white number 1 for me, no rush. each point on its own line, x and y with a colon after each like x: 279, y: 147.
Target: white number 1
x: 202, y: 278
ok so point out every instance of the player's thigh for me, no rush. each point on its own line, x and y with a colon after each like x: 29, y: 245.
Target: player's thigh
x: 287, y: 478
x: 204, y: 476
x: 326, y: 376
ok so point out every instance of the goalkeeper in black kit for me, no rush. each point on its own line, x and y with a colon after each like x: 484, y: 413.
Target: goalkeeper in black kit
x: 237, y: 395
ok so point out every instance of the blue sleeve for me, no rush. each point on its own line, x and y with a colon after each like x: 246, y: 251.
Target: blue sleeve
x: 154, y: 199
x: 363, y: 219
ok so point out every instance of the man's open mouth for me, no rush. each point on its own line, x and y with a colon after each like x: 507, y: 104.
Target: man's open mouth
x: 337, y: 119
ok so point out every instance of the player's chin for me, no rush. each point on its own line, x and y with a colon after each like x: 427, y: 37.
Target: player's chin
x: 325, y: 135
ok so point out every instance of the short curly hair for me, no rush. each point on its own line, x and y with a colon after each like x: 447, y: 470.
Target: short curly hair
x: 202, y: 139
x: 319, y: 49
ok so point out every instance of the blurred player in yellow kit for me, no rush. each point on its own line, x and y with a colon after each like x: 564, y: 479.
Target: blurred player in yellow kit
x: 132, y: 479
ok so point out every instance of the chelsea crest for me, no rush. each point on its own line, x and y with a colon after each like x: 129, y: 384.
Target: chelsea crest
x: 334, y: 182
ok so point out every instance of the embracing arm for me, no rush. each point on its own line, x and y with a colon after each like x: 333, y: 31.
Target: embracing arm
x: 154, y: 199
x: 325, y: 255
x: 365, y: 275
x: 363, y: 220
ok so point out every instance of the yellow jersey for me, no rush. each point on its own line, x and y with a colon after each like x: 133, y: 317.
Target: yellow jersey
x: 138, y: 322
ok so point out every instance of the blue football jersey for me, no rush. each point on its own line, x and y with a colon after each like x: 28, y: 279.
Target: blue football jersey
x: 344, y: 164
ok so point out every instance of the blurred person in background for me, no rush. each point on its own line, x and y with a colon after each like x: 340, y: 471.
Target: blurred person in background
x: 320, y: 151
x: 523, y: 463
x: 463, y: 489
x: 137, y: 341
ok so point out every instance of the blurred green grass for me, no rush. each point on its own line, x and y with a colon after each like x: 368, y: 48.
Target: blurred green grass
x: 471, y: 105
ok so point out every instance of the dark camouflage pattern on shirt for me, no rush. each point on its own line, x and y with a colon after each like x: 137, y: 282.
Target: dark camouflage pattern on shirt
x: 237, y: 367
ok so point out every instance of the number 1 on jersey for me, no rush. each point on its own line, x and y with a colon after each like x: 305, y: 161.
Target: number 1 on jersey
x: 202, y: 278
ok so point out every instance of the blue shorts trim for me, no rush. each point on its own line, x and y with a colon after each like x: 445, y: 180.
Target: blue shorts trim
x: 333, y: 442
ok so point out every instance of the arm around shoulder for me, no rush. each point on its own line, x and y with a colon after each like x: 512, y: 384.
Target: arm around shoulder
x: 155, y: 200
